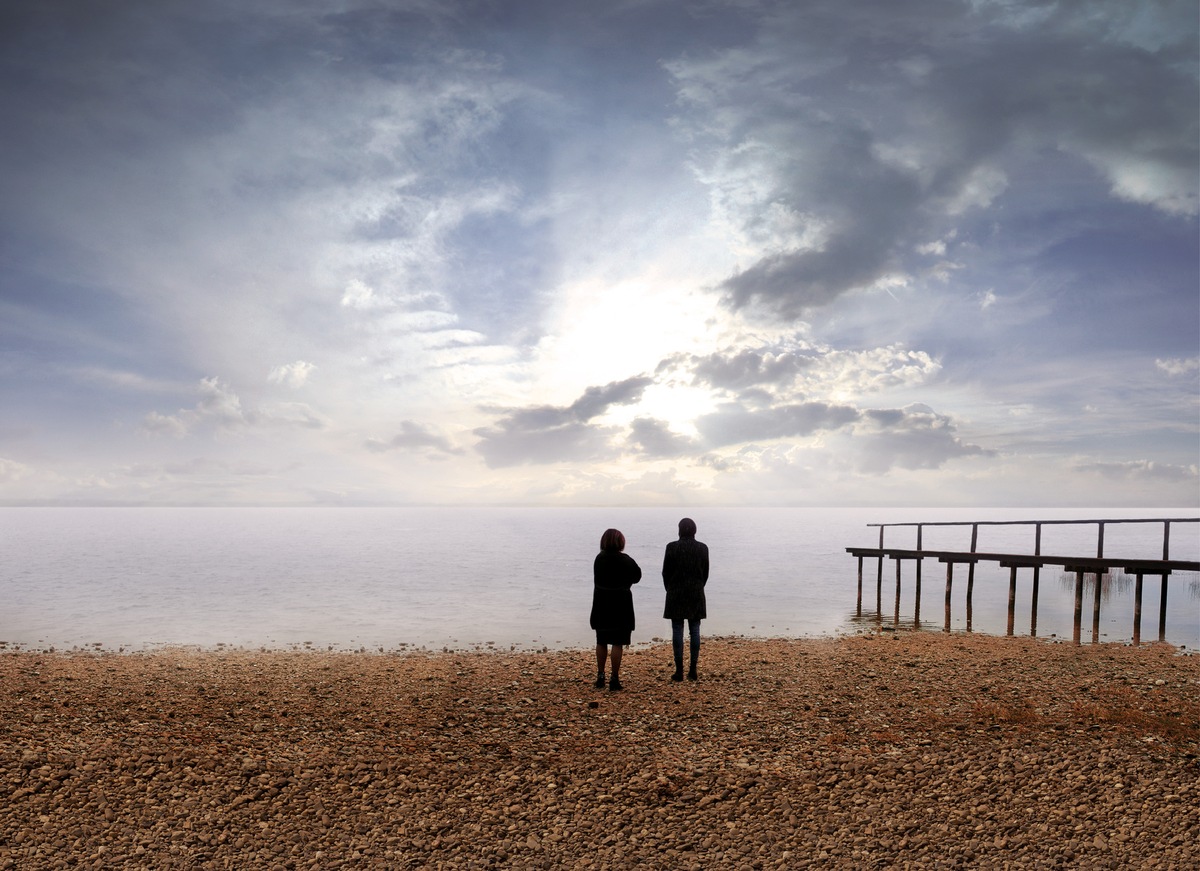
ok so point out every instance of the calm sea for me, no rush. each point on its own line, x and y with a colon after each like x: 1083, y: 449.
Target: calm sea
x: 465, y: 578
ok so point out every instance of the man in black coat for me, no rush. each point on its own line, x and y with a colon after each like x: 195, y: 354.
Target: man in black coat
x: 684, y: 573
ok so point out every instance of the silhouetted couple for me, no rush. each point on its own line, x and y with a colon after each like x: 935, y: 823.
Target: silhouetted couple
x: 684, y: 574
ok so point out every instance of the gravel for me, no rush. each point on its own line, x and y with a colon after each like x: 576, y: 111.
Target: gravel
x: 897, y: 750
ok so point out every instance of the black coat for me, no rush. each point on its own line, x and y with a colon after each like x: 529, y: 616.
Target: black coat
x: 685, y: 572
x: 613, y: 574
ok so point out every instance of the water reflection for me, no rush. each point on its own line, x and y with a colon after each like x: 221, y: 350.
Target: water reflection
x: 875, y: 620
x: 1121, y: 584
x: 1111, y: 582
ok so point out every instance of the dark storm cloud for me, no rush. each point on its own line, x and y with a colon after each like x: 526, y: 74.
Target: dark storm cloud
x: 552, y: 434
x: 880, y: 128
x: 869, y: 207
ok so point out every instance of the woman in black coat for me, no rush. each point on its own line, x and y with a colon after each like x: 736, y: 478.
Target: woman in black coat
x: 613, y: 574
x: 684, y: 573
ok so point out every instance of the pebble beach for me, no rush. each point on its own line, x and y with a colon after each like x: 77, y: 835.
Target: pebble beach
x: 881, y: 750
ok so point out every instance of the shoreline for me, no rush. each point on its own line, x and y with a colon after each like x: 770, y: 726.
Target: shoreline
x: 540, y: 648
x: 859, y: 750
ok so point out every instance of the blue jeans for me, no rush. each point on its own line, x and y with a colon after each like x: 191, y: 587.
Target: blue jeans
x: 677, y: 640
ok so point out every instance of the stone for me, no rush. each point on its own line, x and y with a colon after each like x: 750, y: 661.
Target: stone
x: 421, y: 760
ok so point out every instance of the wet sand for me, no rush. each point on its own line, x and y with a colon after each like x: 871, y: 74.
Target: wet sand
x: 907, y: 749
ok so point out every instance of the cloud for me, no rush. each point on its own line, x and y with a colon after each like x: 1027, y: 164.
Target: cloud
x: 11, y: 471
x: 173, y: 425
x: 915, y: 437
x: 552, y: 434
x: 868, y: 207
x: 220, y: 409
x: 291, y: 374
x: 810, y: 370
x: 800, y: 217
x: 1148, y: 470
x: 658, y: 487
x: 359, y: 295
x: 518, y: 441
x: 879, y: 440
x: 873, y: 138
x: 217, y: 406
x: 414, y: 436
x: 220, y: 406
x: 247, y: 187
x: 123, y: 380
x: 654, y: 438
x: 735, y: 424
x: 292, y: 414
x: 596, y: 400
x: 1178, y: 366
x: 848, y: 373
x: 737, y: 369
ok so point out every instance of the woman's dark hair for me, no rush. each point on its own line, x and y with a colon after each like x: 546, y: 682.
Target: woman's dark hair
x: 687, y: 528
x: 612, y: 540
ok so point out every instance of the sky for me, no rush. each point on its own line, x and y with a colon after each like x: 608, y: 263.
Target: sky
x: 639, y: 252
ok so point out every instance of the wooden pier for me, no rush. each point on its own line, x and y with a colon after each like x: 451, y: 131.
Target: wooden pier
x: 1098, y: 565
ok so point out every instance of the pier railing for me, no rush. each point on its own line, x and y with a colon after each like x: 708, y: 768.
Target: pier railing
x: 1099, y: 564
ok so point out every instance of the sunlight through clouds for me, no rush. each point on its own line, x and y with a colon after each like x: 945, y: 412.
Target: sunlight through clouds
x: 561, y: 252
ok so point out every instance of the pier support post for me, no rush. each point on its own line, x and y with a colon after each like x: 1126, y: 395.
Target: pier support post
x: 1137, y: 611
x: 970, y: 595
x: 917, y: 599
x: 1033, y: 602
x: 896, y: 616
x: 1012, y: 597
x: 858, y: 611
x: 1096, y: 607
x: 1077, y: 619
x: 1162, y: 611
x: 1162, y: 599
x: 1037, y: 574
x: 971, y: 576
x: 949, y: 586
x: 917, y: 603
x: 879, y: 578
